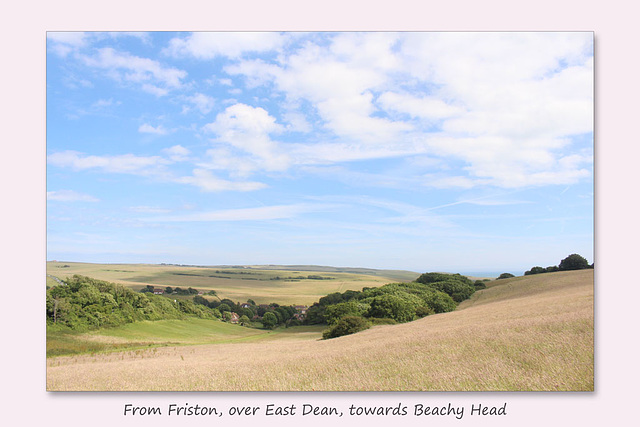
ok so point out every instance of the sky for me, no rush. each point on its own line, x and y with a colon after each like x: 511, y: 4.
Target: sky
x: 423, y: 151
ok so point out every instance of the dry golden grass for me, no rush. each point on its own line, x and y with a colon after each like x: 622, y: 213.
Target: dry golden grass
x: 532, y: 333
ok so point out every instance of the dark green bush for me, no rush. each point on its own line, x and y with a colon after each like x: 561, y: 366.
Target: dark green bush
x: 376, y: 321
x: 345, y: 326
x: 573, y: 262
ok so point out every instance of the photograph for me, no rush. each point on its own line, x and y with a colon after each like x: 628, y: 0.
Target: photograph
x: 320, y: 211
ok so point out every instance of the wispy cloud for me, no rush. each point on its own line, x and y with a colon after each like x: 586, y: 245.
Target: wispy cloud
x: 207, y: 182
x: 69, y: 196
x: 263, y: 213
x: 124, y: 163
x: 203, y: 45
x: 123, y: 67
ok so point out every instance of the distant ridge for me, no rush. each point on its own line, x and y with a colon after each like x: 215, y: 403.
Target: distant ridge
x: 403, y: 275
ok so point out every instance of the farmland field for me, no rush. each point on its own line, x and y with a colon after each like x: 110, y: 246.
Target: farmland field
x: 525, y: 333
x: 263, y: 284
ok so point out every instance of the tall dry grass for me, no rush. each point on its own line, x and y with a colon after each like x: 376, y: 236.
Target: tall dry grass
x: 532, y: 333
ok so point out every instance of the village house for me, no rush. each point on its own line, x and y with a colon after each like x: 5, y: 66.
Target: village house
x: 158, y: 291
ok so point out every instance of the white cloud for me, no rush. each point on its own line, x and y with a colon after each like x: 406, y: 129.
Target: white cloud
x: 504, y: 104
x: 147, y: 128
x: 149, y: 209
x: 69, y: 196
x: 207, y: 182
x: 208, y: 45
x: 428, y: 107
x: 202, y: 102
x: 177, y: 153
x: 247, y: 129
x: 125, y: 163
x: 263, y: 213
x: 152, y: 76
x: 63, y: 43
x: 104, y: 103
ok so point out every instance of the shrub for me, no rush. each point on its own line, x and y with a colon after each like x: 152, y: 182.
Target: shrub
x: 505, y: 276
x: 573, y: 262
x: 535, y: 270
x: 459, y: 291
x: 479, y: 284
x: 345, y: 326
x: 335, y: 312
x: 424, y: 311
x: 427, y: 278
x: 376, y: 321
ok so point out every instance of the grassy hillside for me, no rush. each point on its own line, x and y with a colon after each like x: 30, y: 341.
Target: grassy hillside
x: 163, y: 333
x: 264, y: 284
x: 525, y: 333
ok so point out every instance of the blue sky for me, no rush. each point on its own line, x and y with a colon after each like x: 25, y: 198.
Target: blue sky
x: 461, y: 152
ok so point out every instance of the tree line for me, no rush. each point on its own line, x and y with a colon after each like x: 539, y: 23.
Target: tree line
x: 270, y: 315
x: 572, y: 262
x: 84, y: 303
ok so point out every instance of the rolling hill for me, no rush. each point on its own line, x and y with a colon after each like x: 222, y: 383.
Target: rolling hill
x: 525, y: 333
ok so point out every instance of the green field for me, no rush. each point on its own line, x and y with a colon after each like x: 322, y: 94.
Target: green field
x: 163, y: 333
x: 264, y: 284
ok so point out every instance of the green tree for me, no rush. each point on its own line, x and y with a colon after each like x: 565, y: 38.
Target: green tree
x: 269, y: 320
x: 392, y: 307
x: 345, y: 326
x: 505, y: 276
x: 244, y: 320
x: 573, y: 262
x: 335, y: 312
x: 535, y: 270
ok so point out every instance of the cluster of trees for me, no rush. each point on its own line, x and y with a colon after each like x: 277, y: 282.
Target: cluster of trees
x: 84, y: 303
x: 309, y: 277
x: 572, y: 262
x: 169, y: 290
x: 270, y: 315
x: 353, y: 311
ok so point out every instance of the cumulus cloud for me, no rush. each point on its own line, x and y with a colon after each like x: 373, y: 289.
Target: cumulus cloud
x: 504, y: 104
x: 248, y: 129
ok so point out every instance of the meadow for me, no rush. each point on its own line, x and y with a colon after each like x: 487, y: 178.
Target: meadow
x: 524, y: 333
x: 264, y: 284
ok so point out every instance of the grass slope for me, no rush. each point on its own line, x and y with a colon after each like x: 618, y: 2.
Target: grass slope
x: 162, y: 333
x: 526, y: 333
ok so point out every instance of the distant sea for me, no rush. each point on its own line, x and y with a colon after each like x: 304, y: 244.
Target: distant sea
x: 489, y: 274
